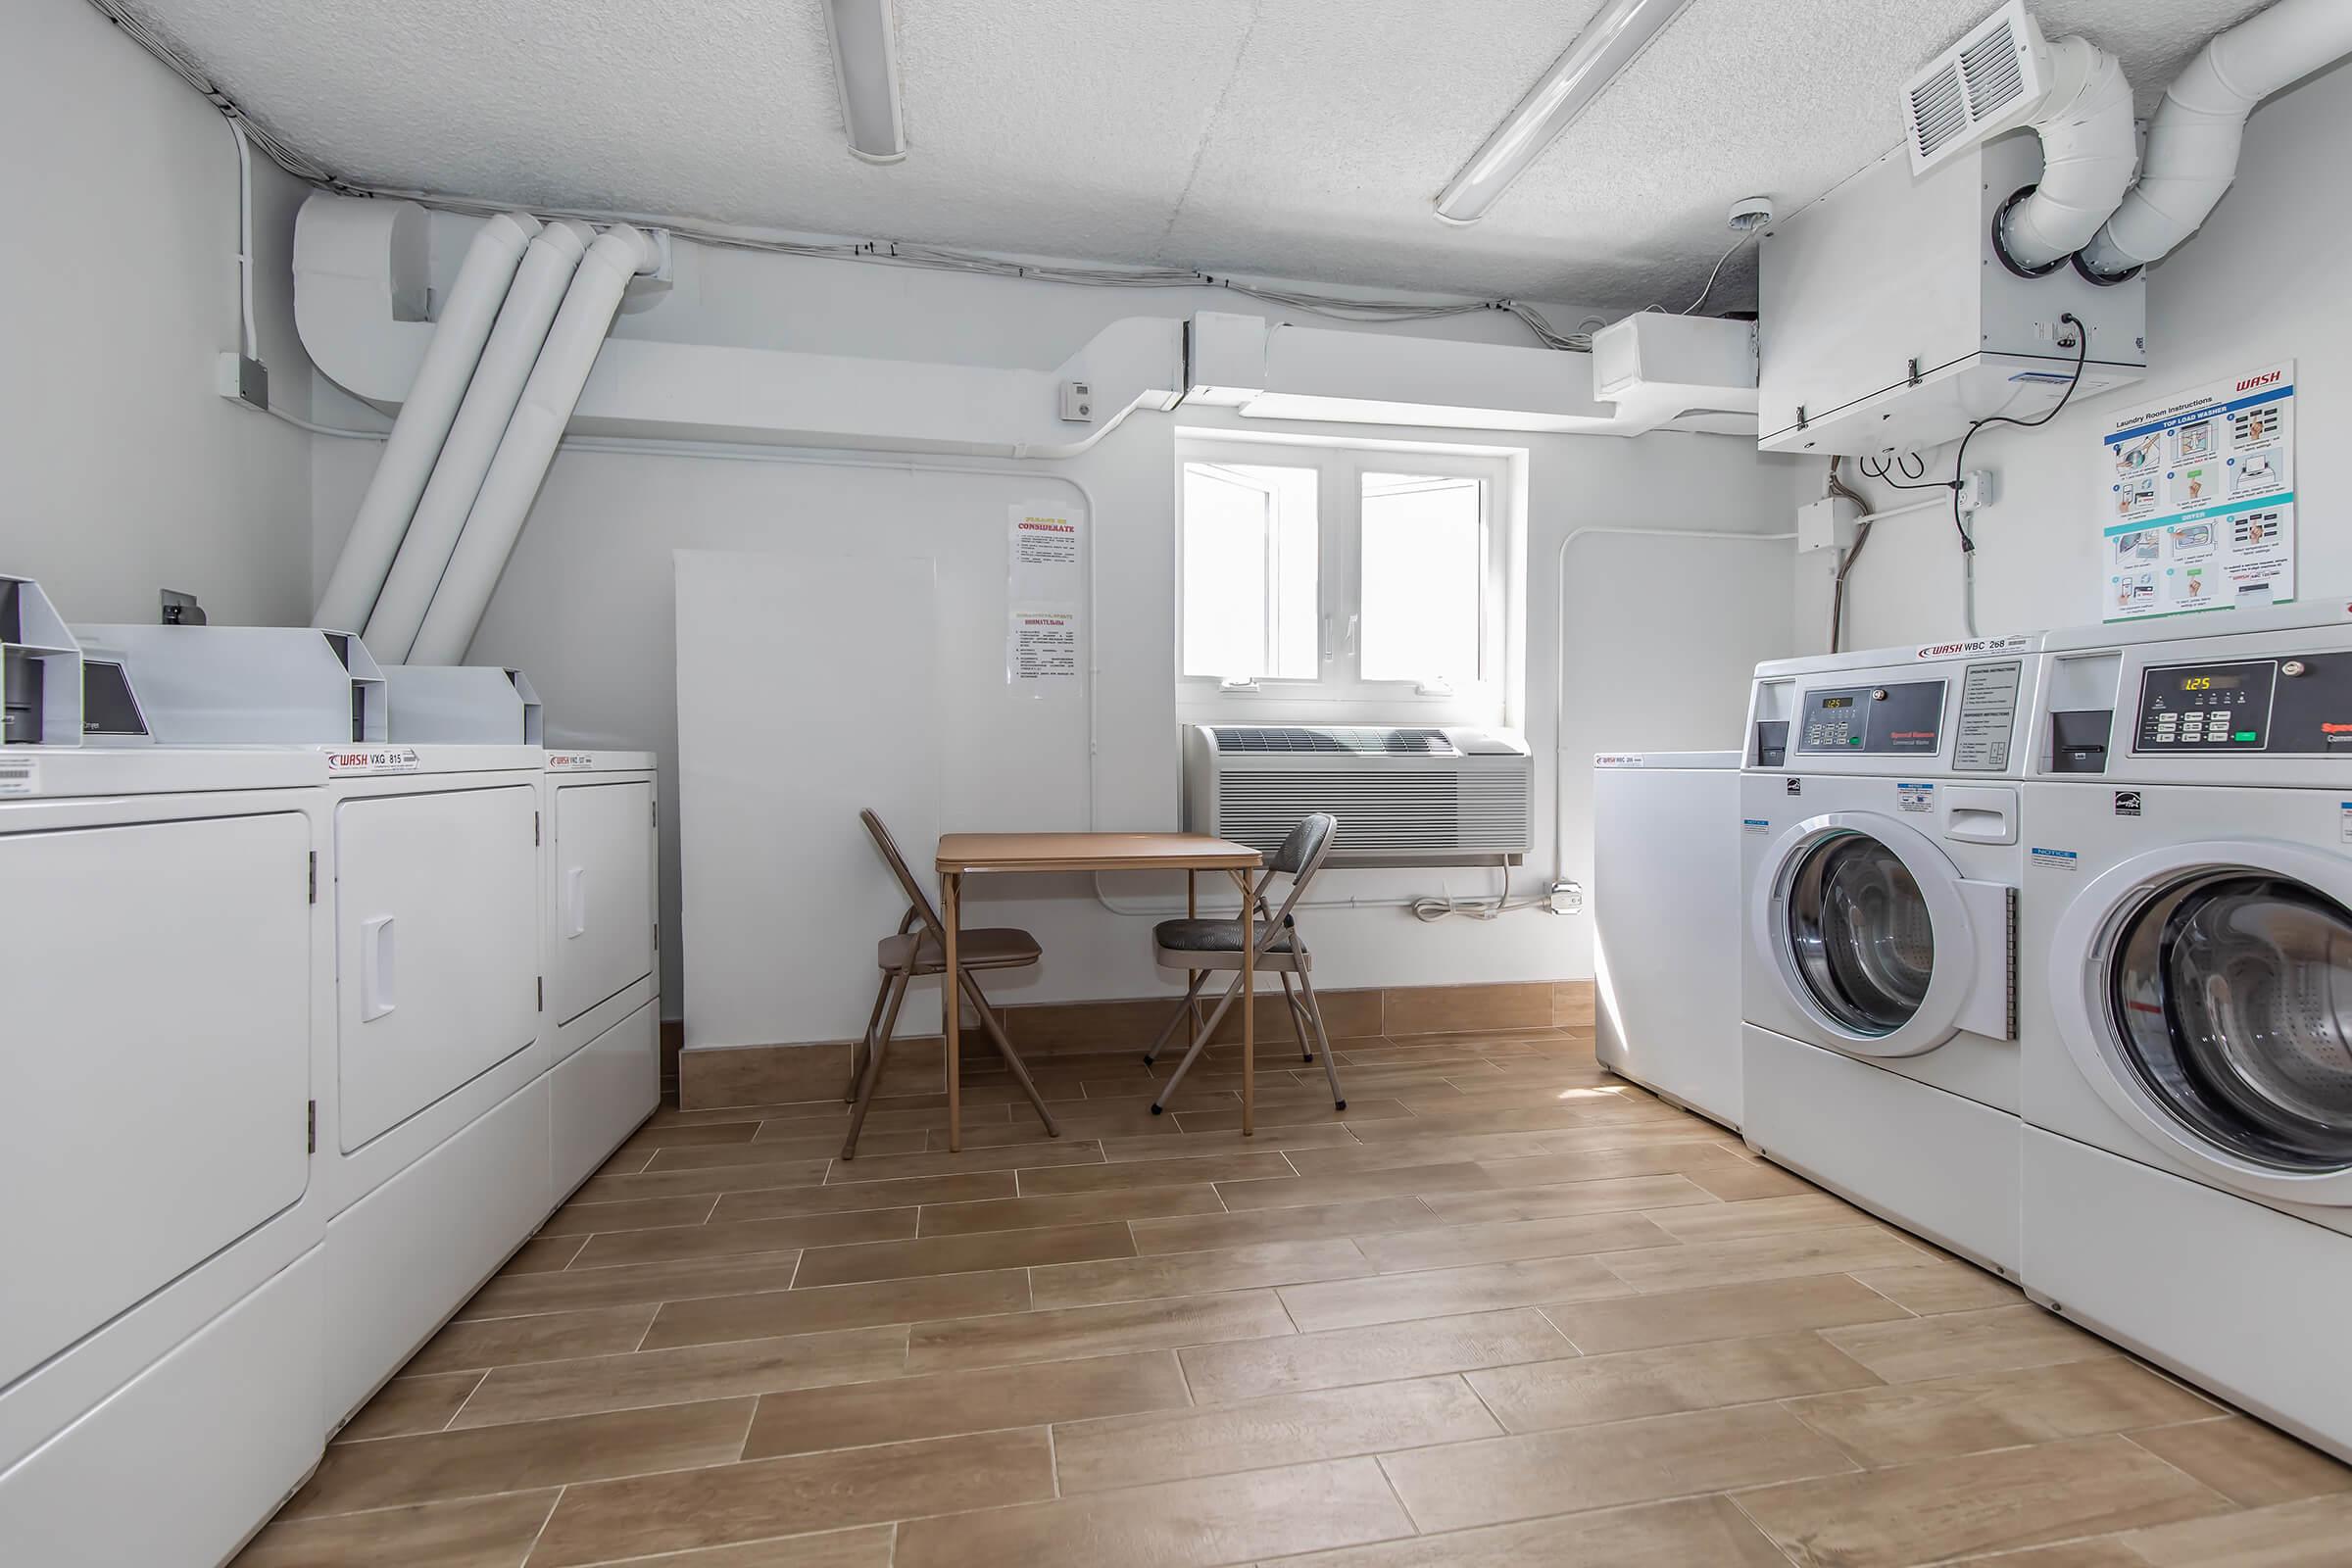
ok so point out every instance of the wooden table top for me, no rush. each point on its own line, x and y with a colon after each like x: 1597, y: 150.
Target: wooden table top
x: 962, y: 853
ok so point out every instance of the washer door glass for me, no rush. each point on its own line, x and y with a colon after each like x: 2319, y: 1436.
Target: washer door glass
x: 2232, y: 995
x: 1860, y: 933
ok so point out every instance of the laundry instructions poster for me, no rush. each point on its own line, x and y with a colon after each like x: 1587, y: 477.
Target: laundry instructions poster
x: 1045, y: 590
x: 2198, y: 500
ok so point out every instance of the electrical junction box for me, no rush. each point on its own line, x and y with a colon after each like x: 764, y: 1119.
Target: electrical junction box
x: 1825, y: 524
x: 1890, y: 324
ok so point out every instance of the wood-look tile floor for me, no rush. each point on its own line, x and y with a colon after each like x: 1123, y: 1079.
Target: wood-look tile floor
x: 1507, y: 1310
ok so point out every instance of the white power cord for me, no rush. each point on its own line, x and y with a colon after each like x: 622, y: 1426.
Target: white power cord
x: 1501, y: 904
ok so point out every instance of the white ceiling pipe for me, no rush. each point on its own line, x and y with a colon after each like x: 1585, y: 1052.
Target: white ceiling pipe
x: 416, y: 438
x: 2089, y: 150
x: 2193, y: 141
x: 522, y: 460
x: 482, y: 421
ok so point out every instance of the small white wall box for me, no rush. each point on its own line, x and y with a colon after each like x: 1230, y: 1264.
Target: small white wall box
x: 471, y: 705
x: 1703, y: 368
x: 1425, y: 796
x: 247, y: 685
x: 40, y: 669
x: 1889, y: 322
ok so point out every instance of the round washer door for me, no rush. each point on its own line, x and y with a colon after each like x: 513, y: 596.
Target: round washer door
x: 2206, y: 993
x: 1862, y: 920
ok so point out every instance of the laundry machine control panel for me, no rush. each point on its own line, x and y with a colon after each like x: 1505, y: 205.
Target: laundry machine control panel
x: 2293, y: 704
x: 1899, y: 718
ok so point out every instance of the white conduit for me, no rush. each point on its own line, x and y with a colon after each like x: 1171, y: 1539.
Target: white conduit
x: 424, y: 420
x: 2194, y: 139
x: 473, y: 438
x: 2089, y: 153
x: 529, y: 446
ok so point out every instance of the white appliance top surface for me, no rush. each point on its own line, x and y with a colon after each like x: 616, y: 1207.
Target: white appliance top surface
x: 1728, y: 761
x: 55, y: 772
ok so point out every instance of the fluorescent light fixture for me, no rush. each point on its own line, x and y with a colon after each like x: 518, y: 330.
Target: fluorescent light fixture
x: 865, y: 36
x: 1610, y: 42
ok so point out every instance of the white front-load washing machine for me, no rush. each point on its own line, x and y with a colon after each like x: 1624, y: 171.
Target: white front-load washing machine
x: 1879, y: 883
x: 2188, y: 1013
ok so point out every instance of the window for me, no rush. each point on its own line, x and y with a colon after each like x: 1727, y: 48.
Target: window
x: 1348, y: 577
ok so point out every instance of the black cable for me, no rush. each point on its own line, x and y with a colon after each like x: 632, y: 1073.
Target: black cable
x: 1884, y: 470
x: 1960, y: 459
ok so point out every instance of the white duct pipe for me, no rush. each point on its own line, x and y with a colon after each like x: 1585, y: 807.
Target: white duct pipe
x: 2089, y: 150
x: 545, y: 274
x: 522, y: 460
x: 483, y: 279
x: 2193, y: 141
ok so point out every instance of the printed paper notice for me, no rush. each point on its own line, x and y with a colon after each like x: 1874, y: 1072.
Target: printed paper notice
x: 1041, y: 647
x: 2198, y: 500
x: 1041, y: 557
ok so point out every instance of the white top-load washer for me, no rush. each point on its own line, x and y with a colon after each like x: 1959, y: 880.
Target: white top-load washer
x: 164, y: 972
x: 2187, y: 1002
x: 1878, y: 881
x: 1666, y: 924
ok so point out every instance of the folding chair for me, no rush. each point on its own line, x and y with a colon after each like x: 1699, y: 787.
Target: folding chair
x: 1206, y: 946
x: 913, y: 952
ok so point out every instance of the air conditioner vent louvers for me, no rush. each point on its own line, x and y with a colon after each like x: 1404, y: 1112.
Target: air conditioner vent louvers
x: 1361, y: 739
x: 1994, y: 79
x: 1938, y: 111
x: 1404, y: 797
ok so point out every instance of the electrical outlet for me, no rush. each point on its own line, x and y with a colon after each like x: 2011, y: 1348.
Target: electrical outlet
x: 1077, y: 403
x: 1976, y: 490
x: 242, y: 380
x: 1567, y: 898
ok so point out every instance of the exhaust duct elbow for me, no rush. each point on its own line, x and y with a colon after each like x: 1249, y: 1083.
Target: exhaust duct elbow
x: 2194, y: 139
x: 2089, y: 153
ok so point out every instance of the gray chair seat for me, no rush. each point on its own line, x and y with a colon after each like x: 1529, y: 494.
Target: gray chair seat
x: 1208, y: 935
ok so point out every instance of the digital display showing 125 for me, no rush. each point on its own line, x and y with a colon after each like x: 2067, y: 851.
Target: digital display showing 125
x: 2212, y: 683
x: 1837, y: 702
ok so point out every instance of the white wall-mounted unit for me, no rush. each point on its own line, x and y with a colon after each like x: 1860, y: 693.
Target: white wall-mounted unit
x: 245, y: 685
x: 40, y: 669
x: 1416, y: 796
x: 604, y: 952
x: 466, y: 705
x: 162, y: 1311
x: 1696, y: 371
x: 1890, y: 321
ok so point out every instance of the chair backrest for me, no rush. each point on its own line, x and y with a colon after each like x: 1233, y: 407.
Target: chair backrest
x: 915, y: 896
x: 1299, y: 856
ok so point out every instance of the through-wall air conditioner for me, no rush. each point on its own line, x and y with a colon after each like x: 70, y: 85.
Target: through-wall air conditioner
x: 1417, y: 796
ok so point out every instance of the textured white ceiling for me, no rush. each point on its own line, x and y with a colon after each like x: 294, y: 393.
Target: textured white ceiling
x: 1300, y: 138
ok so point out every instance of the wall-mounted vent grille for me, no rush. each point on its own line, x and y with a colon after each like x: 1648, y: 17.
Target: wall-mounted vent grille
x: 1990, y: 81
x: 1404, y: 797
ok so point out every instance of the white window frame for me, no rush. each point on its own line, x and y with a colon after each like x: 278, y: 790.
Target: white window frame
x: 1340, y: 693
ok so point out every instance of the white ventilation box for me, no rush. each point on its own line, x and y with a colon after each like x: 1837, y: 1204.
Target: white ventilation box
x: 1890, y: 321
x: 1698, y: 371
x: 1422, y: 796
x: 1991, y: 81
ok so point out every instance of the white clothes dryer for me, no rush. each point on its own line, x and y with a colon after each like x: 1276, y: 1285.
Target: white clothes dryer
x: 2187, y: 1015
x: 1879, y: 887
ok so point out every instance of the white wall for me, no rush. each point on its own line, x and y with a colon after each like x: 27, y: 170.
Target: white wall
x: 586, y: 606
x: 125, y: 473
x: 2263, y: 281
